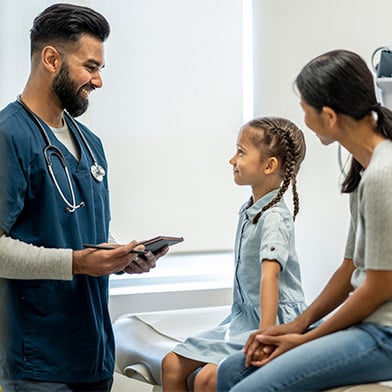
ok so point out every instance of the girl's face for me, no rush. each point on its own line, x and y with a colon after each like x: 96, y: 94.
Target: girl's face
x: 316, y: 121
x: 248, y: 164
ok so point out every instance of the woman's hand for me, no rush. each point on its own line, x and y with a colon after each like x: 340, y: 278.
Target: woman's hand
x: 255, y: 350
x: 273, y: 346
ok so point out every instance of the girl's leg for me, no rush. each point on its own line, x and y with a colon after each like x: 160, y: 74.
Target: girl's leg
x: 205, y: 380
x: 361, y: 354
x: 175, y: 370
x: 231, y: 371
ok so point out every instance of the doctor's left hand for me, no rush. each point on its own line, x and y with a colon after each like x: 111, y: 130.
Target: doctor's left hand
x: 145, y: 262
x: 100, y: 262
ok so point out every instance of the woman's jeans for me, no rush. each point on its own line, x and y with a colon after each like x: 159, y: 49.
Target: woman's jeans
x: 360, y: 354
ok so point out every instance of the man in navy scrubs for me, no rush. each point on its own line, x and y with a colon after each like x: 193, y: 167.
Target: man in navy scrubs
x: 56, y: 334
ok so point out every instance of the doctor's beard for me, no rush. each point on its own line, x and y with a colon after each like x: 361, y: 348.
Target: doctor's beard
x: 68, y: 93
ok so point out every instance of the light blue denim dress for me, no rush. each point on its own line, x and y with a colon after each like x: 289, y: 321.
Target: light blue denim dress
x: 272, y: 237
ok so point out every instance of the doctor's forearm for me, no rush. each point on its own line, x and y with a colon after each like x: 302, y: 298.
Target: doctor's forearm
x: 19, y: 260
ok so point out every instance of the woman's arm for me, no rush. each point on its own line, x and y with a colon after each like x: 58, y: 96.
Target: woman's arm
x: 269, y: 292
x: 376, y: 289
x: 333, y: 295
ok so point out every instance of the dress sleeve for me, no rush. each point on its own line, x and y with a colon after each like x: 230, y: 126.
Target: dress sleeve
x: 275, y: 243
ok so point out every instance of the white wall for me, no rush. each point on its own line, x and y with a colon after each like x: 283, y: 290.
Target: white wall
x: 169, y: 116
x: 287, y: 34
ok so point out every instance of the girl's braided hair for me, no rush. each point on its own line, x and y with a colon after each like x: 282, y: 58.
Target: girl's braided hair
x: 280, y: 138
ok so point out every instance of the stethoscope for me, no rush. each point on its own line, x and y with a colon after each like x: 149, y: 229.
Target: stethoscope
x: 97, y: 171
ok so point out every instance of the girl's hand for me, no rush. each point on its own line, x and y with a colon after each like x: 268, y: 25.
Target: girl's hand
x: 253, y: 350
x: 253, y: 345
x: 261, y: 353
x: 276, y: 345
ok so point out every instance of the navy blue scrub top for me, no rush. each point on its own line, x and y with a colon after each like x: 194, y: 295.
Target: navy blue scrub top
x: 56, y: 330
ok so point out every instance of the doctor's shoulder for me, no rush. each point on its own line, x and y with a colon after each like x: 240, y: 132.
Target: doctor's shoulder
x: 7, y: 113
x: 15, y: 125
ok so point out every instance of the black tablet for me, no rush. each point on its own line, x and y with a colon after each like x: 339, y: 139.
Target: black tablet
x: 157, y: 243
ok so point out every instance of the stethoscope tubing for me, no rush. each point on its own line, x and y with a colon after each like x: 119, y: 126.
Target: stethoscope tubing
x: 46, y: 136
x: 71, y: 207
x: 50, y: 148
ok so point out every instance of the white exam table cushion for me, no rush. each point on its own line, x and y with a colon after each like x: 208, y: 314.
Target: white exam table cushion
x: 143, y: 339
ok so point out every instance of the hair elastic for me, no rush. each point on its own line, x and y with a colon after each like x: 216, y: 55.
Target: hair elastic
x: 376, y: 107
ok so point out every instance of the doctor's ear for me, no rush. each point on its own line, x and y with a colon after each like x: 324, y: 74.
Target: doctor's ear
x: 51, y: 59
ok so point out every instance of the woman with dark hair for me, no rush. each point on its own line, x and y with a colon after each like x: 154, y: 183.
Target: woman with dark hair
x: 354, y: 344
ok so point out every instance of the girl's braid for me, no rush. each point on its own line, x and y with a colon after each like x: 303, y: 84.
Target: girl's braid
x: 292, y: 165
x: 290, y: 138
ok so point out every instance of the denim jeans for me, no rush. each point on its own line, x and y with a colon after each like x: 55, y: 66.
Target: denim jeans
x: 41, y: 386
x: 360, y: 354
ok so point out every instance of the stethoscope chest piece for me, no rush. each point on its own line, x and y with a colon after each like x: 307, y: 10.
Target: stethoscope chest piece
x: 98, y: 172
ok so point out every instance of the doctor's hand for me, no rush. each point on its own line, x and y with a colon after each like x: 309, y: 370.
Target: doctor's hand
x: 145, y: 262
x: 100, y: 262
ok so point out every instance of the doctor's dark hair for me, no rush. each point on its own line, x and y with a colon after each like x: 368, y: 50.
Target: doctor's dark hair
x: 341, y: 80
x: 282, y: 139
x: 62, y: 24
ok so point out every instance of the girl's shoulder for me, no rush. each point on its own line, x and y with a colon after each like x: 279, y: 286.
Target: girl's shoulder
x: 278, y: 215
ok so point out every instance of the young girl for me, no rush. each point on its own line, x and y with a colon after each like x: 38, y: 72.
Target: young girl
x: 267, y: 285
x: 354, y: 345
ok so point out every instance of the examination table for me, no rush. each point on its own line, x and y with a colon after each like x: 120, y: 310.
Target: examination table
x: 143, y: 339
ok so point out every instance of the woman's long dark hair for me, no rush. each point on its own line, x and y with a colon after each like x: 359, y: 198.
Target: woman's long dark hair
x: 341, y: 80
